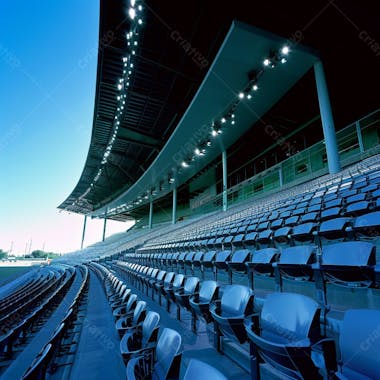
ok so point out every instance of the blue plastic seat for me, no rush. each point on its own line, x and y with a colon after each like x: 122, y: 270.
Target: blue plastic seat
x: 262, y: 260
x: 221, y: 259
x: 304, y: 232
x: 127, y: 307
x: 183, y: 295
x: 37, y: 370
x: 348, y: 263
x: 200, y: 370
x: 238, y: 260
x: 140, y: 337
x: 162, y: 363
x: 200, y: 303
x: 284, y: 336
x: 358, y: 208
x: 229, y: 313
x: 132, y: 318
x: 295, y: 263
x: 359, y: 345
x: 208, y: 259
x: 367, y: 225
x: 334, y: 228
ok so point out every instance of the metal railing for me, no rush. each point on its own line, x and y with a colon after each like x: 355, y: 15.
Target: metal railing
x: 356, y: 142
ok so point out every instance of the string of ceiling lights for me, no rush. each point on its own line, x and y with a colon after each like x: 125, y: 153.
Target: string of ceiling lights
x: 132, y: 37
x: 223, y: 121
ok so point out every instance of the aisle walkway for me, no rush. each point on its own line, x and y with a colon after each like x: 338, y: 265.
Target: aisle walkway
x: 98, y: 355
x: 26, y: 357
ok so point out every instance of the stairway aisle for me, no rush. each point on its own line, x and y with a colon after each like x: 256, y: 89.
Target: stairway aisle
x: 98, y: 355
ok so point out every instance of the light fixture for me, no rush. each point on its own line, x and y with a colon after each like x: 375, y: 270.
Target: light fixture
x: 249, y: 96
x: 223, y: 120
x: 285, y: 50
x: 132, y: 13
x: 184, y: 164
x: 283, y: 60
x: 255, y: 87
x: 119, y: 86
x: 266, y: 62
x: 241, y: 95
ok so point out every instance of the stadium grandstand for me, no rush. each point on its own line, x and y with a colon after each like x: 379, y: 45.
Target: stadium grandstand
x: 255, y: 248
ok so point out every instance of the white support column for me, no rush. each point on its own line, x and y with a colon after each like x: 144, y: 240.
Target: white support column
x: 150, y: 214
x: 280, y: 175
x: 105, y: 226
x: 84, y: 231
x: 360, y: 137
x: 174, y: 214
x: 327, y: 119
x: 224, y: 168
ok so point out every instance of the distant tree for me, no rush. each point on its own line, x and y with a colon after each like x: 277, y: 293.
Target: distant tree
x: 3, y: 254
x: 38, y: 254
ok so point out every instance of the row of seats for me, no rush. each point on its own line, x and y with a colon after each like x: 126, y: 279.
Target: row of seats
x: 293, y: 231
x: 148, y: 354
x: 46, y: 357
x: 25, y: 317
x: 347, y: 198
x: 352, y: 264
x: 285, y: 334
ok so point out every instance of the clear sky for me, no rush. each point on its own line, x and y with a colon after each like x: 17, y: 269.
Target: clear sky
x: 48, y: 59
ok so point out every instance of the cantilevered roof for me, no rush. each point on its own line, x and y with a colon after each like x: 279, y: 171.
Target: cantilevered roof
x: 226, y: 101
x: 161, y: 76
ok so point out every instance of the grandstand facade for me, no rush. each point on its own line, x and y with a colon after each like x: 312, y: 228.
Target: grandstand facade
x: 255, y: 253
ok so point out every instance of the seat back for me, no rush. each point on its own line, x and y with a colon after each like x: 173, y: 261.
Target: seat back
x: 350, y: 253
x: 169, y: 278
x: 208, y: 291
x: 235, y: 300
x: 139, y: 312
x: 150, y: 327
x: 191, y: 285
x: 168, y: 347
x: 178, y: 281
x: 283, y: 324
x: 131, y: 302
x: 299, y: 255
x: 360, y: 344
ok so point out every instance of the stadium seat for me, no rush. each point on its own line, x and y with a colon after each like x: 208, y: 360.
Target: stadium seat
x: 295, y: 263
x: 200, y: 302
x: 183, y: 295
x: 229, y: 312
x: 162, y: 363
x: 132, y: 318
x: 286, y: 337
x: 140, y: 337
x: 126, y: 308
x: 359, y: 345
x: 349, y: 264
x: 38, y: 368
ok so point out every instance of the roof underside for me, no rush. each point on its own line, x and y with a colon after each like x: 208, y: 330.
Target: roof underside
x: 163, y: 84
x: 244, y: 50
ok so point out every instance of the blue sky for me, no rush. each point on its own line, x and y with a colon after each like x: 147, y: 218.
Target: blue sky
x: 48, y: 61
